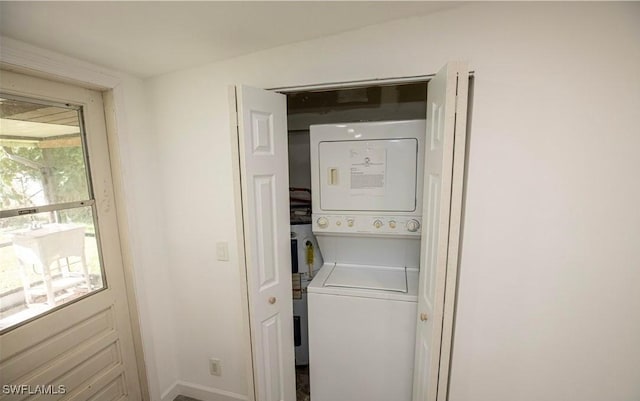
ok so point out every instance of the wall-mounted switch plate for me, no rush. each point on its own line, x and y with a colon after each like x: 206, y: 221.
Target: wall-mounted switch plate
x: 222, y: 251
x: 215, y: 367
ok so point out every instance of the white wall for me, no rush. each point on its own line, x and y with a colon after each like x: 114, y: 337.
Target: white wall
x: 550, y: 265
x: 142, y: 192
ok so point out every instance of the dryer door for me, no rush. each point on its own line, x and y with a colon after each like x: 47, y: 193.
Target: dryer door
x: 374, y: 175
x: 367, y: 167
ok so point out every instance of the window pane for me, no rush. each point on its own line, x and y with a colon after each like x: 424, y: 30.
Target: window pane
x: 41, y: 155
x: 46, y: 260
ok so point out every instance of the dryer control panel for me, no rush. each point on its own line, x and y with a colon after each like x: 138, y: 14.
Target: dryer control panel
x: 368, y: 224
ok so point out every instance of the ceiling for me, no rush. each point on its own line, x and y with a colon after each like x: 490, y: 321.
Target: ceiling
x: 150, y: 38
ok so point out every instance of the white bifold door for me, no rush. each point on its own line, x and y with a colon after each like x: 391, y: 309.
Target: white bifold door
x: 263, y: 166
x: 442, y: 203
x: 262, y: 145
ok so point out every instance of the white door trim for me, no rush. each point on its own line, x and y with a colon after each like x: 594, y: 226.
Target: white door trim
x: 356, y: 84
x: 31, y: 60
x: 353, y: 84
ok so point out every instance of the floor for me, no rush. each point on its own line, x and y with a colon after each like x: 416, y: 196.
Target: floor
x: 184, y: 398
x: 302, y: 383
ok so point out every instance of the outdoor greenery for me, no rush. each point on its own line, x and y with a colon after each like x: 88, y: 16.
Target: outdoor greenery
x: 58, y: 174
x: 31, y: 175
x: 14, y: 176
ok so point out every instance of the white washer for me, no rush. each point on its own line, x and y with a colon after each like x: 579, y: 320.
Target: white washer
x: 367, y: 204
x: 362, y: 339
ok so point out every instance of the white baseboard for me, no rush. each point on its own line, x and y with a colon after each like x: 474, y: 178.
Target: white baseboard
x: 201, y: 393
x: 171, y: 393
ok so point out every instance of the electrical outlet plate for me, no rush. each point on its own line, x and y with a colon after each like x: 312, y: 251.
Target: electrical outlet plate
x: 215, y: 367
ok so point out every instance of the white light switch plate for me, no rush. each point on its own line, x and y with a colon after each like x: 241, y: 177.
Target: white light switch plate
x: 215, y: 367
x: 222, y: 251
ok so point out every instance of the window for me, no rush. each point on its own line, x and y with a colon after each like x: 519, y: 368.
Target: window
x: 49, y: 253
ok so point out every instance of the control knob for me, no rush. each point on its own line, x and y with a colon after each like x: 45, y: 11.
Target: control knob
x: 377, y: 224
x: 323, y: 222
x: 413, y: 225
x: 350, y: 222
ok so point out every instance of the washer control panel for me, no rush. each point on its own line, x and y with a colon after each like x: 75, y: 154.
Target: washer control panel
x: 370, y: 224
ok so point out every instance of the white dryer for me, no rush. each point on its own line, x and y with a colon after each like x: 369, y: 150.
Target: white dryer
x: 367, y: 203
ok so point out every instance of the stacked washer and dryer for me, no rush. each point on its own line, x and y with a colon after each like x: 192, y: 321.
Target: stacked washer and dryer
x: 366, y: 203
